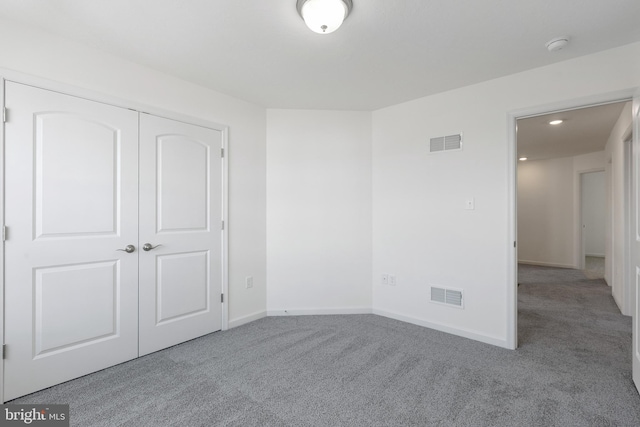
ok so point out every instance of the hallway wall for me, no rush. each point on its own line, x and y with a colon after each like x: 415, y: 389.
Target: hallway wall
x: 593, y: 206
x: 549, y: 209
x: 615, y: 215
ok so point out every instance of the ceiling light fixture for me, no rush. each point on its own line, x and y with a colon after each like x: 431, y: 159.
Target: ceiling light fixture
x: 522, y: 159
x: 555, y: 122
x: 324, y: 16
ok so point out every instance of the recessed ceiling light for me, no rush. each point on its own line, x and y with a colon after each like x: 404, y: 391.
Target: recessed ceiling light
x: 522, y: 159
x: 555, y: 122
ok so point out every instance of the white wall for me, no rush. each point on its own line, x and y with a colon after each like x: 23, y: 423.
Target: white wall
x: 421, y: 231
x: 41, y: 54
x: 318, y: 211
x: 549, y: 209
x: 615, y: 222
x: 594, y: 196
x: 545, y: 212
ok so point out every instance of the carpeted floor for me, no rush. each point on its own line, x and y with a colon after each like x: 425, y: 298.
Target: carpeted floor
x: 573, y: 368
x: 594, y: 267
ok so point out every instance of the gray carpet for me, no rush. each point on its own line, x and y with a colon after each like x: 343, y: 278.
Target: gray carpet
x: 594, y: 267
x: 572, y: 369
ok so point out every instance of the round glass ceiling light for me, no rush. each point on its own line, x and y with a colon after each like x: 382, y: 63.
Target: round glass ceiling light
x: 324, y: 16
x: 555, y: 122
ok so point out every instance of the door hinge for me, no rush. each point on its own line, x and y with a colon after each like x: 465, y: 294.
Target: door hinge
x: 221, y: 297
x: 4, y: 351
x: 4, y: 114
x: 4, y: 233
x: 222, y: 152
x: 223, y: 225
x: 514, y: 244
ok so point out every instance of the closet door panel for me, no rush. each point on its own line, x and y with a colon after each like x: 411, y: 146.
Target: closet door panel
x: 71, y: 297
x: 180, y: 222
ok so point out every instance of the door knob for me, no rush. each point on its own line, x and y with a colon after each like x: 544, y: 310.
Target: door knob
x: 128, y: 249
x: 147, y: 247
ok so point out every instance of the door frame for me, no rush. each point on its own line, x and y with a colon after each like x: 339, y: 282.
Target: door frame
x: 512, y: 189
x: 579, y: 216
x: 627, y: 173
x: 635, y: 239
x: 22, y: 78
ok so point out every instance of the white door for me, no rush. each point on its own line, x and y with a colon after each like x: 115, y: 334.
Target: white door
x: 635, y: 209
x: 180, y: 222
x: 71, y: 297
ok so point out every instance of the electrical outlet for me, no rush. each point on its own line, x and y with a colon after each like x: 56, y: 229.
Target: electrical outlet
x: 385, y: 279
x: 392, y: 280
x: 470, y: 204
x: 249, y: 282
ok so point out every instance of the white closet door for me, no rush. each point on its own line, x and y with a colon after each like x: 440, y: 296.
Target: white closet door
x: 71, y: 304
x: 180, y: 218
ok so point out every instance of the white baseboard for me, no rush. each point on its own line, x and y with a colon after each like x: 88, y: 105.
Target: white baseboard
x: 546, y: 264
x: 319, y: 311
x: 465, y: 333
x: 247, y: 319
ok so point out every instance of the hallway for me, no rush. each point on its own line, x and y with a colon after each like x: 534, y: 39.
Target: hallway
x: 575, y: 328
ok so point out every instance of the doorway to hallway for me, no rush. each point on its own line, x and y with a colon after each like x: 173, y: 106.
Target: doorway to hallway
x: 593, y: 213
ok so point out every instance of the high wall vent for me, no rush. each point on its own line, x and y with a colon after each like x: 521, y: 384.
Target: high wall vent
x: 446, y: 143
x: 447, y: 296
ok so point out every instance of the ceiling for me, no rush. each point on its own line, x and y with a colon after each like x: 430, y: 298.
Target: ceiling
x: 582, y: 131
x: 385, y: 53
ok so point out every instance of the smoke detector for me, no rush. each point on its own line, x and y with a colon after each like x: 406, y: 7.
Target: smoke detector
x: 557, y: 44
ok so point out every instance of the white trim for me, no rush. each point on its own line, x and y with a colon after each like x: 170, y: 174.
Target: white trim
x: 247, y: 319
x: 2, y: 101
x: 628, y: 282
x: 573, y: 104
x: 465, y: 333
x: 579, y: 241
x: 225, y: 231
x: 79, y: 92
x: 634, y: 256
x: 512, y: 188
x: 512, y: 235
x: 319, y: 311
x: 547, y: 264
x: 596, y: 255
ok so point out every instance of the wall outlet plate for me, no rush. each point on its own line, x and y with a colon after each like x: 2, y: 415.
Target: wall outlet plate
x: 470, y: 204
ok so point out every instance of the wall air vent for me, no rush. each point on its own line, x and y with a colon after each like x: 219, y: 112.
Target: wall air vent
x: 447, y: 296
x: 445, y: 143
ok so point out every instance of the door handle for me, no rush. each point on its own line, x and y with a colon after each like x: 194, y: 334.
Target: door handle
x: 147, y: 247
x: 128, y: 249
